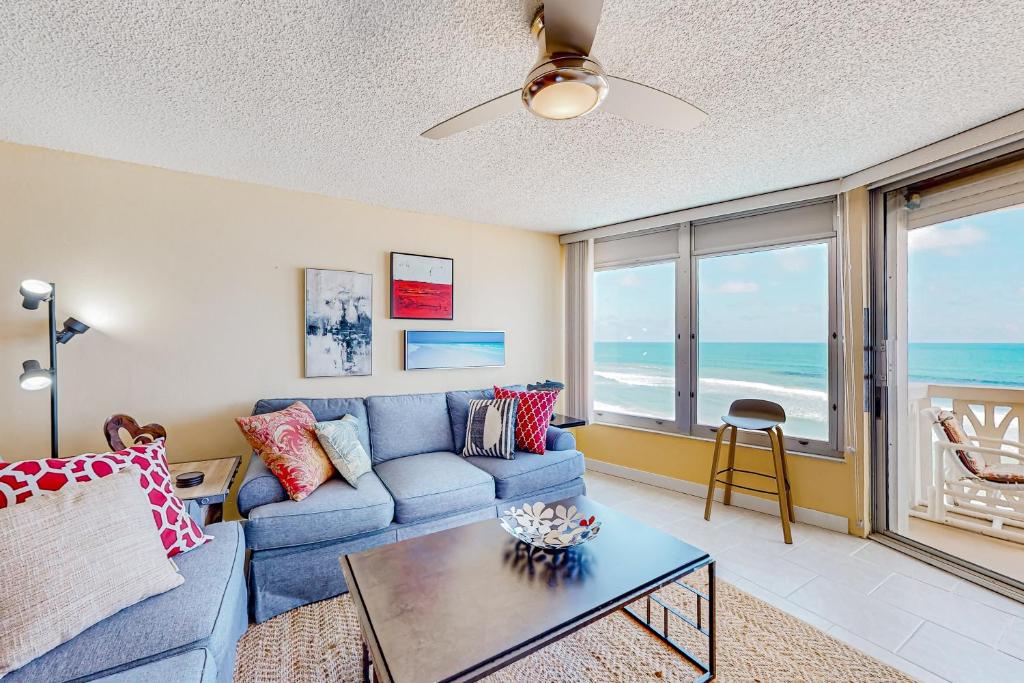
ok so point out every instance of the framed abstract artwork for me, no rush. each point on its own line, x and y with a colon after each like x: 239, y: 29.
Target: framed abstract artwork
x: 422, y: 287
x: 434, y: 349
x: 339, y: 323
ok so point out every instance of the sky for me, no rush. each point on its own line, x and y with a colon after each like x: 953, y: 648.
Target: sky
x: 966, y: 279
x: 778, y: 295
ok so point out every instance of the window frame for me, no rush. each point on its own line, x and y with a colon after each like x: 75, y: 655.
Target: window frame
x: 830, y: 448
x: 681, y: 423
x: 687, y: 307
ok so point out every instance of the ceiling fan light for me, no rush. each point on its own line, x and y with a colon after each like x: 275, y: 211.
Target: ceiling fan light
x: 565, y: 88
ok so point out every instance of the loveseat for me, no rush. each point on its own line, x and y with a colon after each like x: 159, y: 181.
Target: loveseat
x: 187, y: 635
x: 419, y: 484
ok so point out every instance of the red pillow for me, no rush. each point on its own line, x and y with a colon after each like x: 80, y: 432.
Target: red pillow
x: 179, y: 533
x: 288, y: 445
x: 532, y: 416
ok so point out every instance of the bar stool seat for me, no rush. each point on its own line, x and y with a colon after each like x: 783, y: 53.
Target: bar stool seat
x: 755, y: 415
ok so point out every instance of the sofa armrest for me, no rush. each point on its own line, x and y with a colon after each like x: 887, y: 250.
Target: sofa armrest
x: 558, y: 439
x: 259, y: 487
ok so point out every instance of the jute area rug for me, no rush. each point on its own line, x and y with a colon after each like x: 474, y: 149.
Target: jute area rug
x: 756, y: 642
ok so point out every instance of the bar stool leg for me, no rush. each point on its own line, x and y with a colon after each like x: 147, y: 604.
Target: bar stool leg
x: 785, y: 473
x: 727, y: 499
x: 714, y: 472
x: 780, y: 482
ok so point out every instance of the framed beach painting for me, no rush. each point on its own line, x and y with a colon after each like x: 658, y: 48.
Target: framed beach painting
x: 339, y: 323
x: 435, y: 349
x: 422, y: 287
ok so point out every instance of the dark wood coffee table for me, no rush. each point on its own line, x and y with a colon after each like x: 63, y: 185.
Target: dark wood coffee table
x: 462, y: 603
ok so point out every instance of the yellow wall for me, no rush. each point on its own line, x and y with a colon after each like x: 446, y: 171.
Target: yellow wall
x: 833, y: 487
x: 194, y: 288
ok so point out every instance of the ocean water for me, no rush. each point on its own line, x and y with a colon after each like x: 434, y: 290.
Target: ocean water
x: 420, y: 355
x: 639, y: 377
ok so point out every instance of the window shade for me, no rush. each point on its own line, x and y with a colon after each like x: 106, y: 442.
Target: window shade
x: 646, y: 248
x: 785, y: 226
x: 996, y: 188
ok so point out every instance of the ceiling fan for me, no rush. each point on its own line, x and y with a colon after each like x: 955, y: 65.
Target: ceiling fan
x: 566, y: 82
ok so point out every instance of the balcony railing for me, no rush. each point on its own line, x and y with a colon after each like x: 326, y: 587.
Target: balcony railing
x: 995, y: 416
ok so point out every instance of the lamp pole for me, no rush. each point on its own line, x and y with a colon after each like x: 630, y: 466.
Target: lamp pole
x: 34, y: 377
x: 54, y: 449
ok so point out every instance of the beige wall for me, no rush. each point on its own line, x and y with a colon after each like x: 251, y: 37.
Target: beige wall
x: 194, y: 289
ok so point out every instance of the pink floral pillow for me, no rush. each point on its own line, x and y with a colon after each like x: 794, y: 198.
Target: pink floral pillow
x: 288, y: 445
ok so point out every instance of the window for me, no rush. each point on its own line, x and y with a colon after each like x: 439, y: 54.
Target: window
x: 634, y: 347
x: 689, y: 318
x: 763, y: 332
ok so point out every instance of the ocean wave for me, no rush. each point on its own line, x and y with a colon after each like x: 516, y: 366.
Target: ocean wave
x: 628, y: 410
x: 732, y: 384
x: 636, y: 380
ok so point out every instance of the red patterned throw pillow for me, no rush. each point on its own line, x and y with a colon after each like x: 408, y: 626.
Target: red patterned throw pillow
x: 532, y: 416
x: 179, y: 533
x: 286, y: 440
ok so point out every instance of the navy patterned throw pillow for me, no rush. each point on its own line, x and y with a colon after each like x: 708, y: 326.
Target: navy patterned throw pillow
x: 491, y: 428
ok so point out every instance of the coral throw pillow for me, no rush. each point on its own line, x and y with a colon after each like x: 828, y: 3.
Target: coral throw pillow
x: 532, y: 416
x: 178, y: 532
x: 286, y: 440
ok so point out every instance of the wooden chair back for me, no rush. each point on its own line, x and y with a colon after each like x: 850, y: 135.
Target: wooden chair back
x: 123, y: 431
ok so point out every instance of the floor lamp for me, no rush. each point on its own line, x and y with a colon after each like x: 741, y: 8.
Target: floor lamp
x: 35, y: 377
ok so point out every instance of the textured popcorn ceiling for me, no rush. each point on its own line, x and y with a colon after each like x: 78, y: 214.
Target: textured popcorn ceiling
x: 330, y: 96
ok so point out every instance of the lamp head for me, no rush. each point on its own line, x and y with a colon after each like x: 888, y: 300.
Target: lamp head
x: 34, y: 377
x: 34, y: 291
x: 71, y: 328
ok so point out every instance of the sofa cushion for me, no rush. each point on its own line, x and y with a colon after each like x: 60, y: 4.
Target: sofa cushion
x: 335, y: 510
x: 324, y: 410
x: 458, y: 412
x: 407, y: 425
x: 207, y: 611
x: 194, y: 666
x: 432, y: 484
x: 529, y: 471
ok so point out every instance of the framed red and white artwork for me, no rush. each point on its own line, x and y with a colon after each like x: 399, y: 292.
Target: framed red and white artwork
x: 422, y: 287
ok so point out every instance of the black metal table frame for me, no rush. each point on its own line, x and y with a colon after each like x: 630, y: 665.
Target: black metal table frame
x: 707, y: 669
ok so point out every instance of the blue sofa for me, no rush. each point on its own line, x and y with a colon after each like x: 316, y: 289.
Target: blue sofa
x: 187, y: 634
x: 419, y: 484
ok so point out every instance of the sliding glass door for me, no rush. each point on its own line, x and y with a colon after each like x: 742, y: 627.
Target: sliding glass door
x: 949, y: 371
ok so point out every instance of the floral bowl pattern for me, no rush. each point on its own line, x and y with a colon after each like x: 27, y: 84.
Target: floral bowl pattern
x: 549, y: 528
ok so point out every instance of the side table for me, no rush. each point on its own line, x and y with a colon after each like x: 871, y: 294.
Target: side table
x: 211, y: 494
x: 567, y: 421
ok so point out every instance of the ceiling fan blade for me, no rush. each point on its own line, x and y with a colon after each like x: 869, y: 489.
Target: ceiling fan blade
x: 644, y: 104
x: 571, y: 25
x: 482, y: 113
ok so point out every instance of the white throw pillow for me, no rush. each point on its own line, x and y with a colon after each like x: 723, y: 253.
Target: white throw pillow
x: 71, y: 558
x: 340, y: 438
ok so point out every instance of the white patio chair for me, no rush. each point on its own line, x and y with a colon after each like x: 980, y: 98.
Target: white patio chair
x: 975, y: 477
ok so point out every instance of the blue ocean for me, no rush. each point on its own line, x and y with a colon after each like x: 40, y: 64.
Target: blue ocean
x: 639, y: 377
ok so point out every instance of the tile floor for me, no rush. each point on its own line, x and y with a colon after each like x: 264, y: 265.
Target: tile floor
x: 922, y: 620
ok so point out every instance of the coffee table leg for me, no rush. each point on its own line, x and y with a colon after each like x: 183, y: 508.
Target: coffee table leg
x: 707, y: 668
x: 711, y: 620
x: 367, y: 663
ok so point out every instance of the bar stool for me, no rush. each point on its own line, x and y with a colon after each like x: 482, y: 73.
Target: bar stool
x: 753, y: 414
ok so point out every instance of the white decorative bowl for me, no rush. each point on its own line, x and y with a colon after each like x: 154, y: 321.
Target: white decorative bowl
x: 549, y: 528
